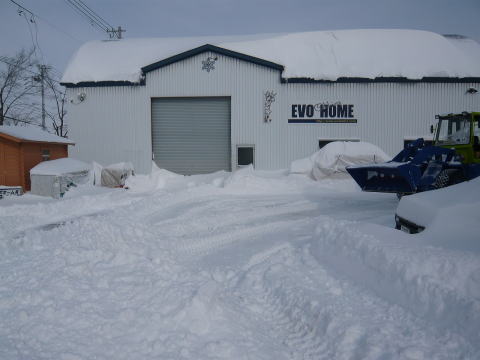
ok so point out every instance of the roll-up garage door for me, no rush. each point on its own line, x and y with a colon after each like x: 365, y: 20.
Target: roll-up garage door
x: 191, y: 135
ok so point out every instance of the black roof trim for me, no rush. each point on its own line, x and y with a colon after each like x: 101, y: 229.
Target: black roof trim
x: 215, y: 49
x: 102, y: 84
x: 383, y: 80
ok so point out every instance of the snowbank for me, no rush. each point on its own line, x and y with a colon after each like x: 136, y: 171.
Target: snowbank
x: 331, y: 160
x: 230, y: 266
x: 60, y: 167
x: 156, y: 180
x: 439, y: 285
x: 446, y: 213
x: 322, y: 55
x: 33, y: 133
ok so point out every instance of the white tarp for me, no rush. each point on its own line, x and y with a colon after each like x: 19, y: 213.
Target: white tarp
x: 333, y: 158
x: 53, y: 178
x: 115, y: 175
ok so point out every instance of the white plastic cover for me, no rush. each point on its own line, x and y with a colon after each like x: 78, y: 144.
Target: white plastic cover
x: 334, y: 157
x: 115, y: 175
x: 60, y: 167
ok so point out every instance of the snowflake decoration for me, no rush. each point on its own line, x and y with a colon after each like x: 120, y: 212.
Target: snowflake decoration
x: 209, y: 64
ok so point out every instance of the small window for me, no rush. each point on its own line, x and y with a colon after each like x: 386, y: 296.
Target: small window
x: 323, y: 142
x: 45, y: 154
x: 245, y: 155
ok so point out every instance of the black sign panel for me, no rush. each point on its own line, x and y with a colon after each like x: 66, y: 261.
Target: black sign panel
x: 322, y: 113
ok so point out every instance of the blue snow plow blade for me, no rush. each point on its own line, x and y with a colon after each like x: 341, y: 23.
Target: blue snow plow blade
x: 414, y: 169
x: 396, y: 177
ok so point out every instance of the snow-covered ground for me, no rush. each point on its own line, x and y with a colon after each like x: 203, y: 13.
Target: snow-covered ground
x: 250, y: 265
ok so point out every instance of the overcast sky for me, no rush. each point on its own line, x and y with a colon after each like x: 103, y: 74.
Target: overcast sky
x: 60, y: 30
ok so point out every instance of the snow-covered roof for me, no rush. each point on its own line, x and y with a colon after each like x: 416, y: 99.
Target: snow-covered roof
x: 60, y: 167
x: 320, y: 55
x: 31, y: 133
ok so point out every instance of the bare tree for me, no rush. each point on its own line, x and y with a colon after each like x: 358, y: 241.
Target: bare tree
x: 57, y: 111
x: 17, y: 88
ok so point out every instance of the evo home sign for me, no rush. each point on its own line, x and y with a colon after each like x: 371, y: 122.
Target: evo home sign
x: 321, y: 113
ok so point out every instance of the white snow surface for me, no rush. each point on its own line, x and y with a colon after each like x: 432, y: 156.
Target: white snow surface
x: 320, y: 55
x: 33, y: 133
x: 447, y: 212
x: 332, y: 159
x: 60, y: 167
x: 249, y: 265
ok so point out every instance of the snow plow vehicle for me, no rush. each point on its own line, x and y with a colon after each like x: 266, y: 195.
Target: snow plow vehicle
x: 454, y: 157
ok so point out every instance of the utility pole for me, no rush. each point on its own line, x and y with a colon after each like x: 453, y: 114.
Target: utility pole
x: 116, y: 32
x: 43, y: 68
x: 41, y: 79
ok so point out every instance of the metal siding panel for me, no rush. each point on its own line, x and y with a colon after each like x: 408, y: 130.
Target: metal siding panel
x: 386, y: 112
x: 191, y: 135
x: 245, y: 84
x: 114, y: 123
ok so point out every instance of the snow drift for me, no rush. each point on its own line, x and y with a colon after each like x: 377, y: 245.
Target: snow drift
x: 250, y: 265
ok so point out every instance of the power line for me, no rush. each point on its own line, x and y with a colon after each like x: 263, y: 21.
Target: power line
x: 85, y: 15
x: 33, y: 15
x: 94, y: 19
x: 22, y: 11
x: 95, y: 15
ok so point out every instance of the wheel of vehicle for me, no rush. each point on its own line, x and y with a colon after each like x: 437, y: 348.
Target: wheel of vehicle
x: 441, y: 180
x: 448, y: 177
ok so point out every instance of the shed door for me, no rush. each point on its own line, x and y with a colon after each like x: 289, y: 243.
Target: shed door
x: 191, y: 135
x: 10, y: 163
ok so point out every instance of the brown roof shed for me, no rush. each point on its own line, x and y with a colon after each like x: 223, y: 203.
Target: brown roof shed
x: 21, y: 148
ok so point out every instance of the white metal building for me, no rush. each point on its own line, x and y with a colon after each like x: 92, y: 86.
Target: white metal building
x: 199, y: 105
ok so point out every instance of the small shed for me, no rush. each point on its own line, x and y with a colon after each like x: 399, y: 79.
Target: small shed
x: 23, y: 147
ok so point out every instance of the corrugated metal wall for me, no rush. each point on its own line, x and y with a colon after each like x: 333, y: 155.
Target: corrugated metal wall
x: 111, y: 125
x: 114, y: 123
x: 386, y: 112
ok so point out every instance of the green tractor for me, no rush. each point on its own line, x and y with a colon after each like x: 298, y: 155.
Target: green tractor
x: 454, y: 157
x: 460, y: 132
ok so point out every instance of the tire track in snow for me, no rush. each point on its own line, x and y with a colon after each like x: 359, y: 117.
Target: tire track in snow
x: 208, y: 244
x: 317, y: 316
x: 287, y: 316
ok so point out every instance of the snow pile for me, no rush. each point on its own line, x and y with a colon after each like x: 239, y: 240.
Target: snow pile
x: 33, y: 133
x: 156, y: 180
x: 322, y: 55
x: 60, y: 167
x: 303, y: 166
x: 331, y: 160
x: 447, y: 212
x: 249, y: 265
x: 442, y: 286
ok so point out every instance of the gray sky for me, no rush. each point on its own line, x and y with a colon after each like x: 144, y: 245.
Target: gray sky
x: 61, y: 30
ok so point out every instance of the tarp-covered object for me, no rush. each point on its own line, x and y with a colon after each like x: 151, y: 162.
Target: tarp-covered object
x: 116, y: 174
x: 333, y: 158
x: 54, y: 178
